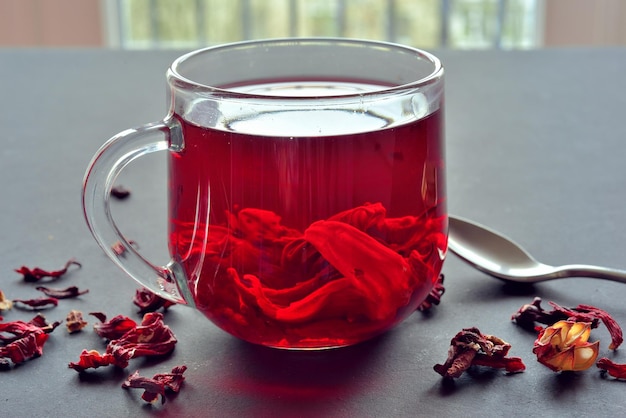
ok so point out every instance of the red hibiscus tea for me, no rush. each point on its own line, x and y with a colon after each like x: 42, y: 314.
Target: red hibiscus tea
x: 311, y: 240
x: 307, y: 204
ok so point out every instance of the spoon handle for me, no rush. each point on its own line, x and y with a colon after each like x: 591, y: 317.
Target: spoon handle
x: 582, y: 270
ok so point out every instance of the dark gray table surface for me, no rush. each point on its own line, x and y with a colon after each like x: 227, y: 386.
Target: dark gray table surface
x: 536, y: 147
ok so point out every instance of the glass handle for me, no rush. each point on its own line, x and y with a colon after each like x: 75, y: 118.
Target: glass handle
x: 100, y: 177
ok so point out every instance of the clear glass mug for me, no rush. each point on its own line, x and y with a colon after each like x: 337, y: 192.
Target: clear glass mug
x: 307, y: 202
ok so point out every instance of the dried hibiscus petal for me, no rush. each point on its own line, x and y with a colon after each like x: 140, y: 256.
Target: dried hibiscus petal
x: 470, y: 347
x: 564, y: 346
x: 19, y: 329
x: 74, y: 321
x: 40, y: 321
x: 616, y: 370
x: 91, y: 359
x: 336, y: 282
x: 114, y: 328
x: 158, y: 384
x: 434, y: 297
x: 151, y: 338
x: 68, y: 292
x: 37, y: 303
x: 531, y: 313
x: 26, y: 342
x: 35, y: 274
x: 26, y: 348
x: 528, y: 314
x: 148, y: 301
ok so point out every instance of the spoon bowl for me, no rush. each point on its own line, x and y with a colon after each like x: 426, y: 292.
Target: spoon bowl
x: 500, y: 257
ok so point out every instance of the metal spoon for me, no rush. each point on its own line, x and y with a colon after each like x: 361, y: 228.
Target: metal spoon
x: 500, y: 257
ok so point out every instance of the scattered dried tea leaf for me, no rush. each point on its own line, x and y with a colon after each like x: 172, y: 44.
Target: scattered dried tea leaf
x: 470, y: 347
x: 21, y: 341
x: 616, y: 370
x: 25, y: 348
x: 564, y: 346
x: 151, y: 338
x: 40, y: 321
x: 148, y: 301
x: 37, y: 303
x: 91, y: 359
x: 74, y: 321
x: 114, y: 328
x: 434, y: 297
x: 158, y: 384
x: 35, y: 274
x: 528, y: 314
x: 68, y: 292
x: 531, y: 313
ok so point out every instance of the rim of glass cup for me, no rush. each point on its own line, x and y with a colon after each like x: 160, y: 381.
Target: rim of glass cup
x: 184, y: 82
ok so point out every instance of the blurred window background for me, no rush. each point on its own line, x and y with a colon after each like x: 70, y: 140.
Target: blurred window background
x: 459, y: 24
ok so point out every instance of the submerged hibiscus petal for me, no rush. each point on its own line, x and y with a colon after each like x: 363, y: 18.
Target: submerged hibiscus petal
x: 377, y: 271
x: 341, y: 280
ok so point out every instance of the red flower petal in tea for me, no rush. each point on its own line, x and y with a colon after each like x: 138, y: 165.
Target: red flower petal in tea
x: 36, y: 273
x: 366, y: 218
x: 68, y: 292
x: 148, y: 301
x: 374, y: 280
x: 258, y: 225
x: 114, y: 328
x: 378, y: 274
x: 344, y: 279
x: 158, y: 384
x: 616, y: 370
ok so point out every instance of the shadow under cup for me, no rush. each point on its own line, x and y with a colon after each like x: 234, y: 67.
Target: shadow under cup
x: 307, y: 204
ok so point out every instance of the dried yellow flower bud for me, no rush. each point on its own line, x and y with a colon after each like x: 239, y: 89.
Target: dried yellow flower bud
x: 564, y: 346
x: 5, y: 304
